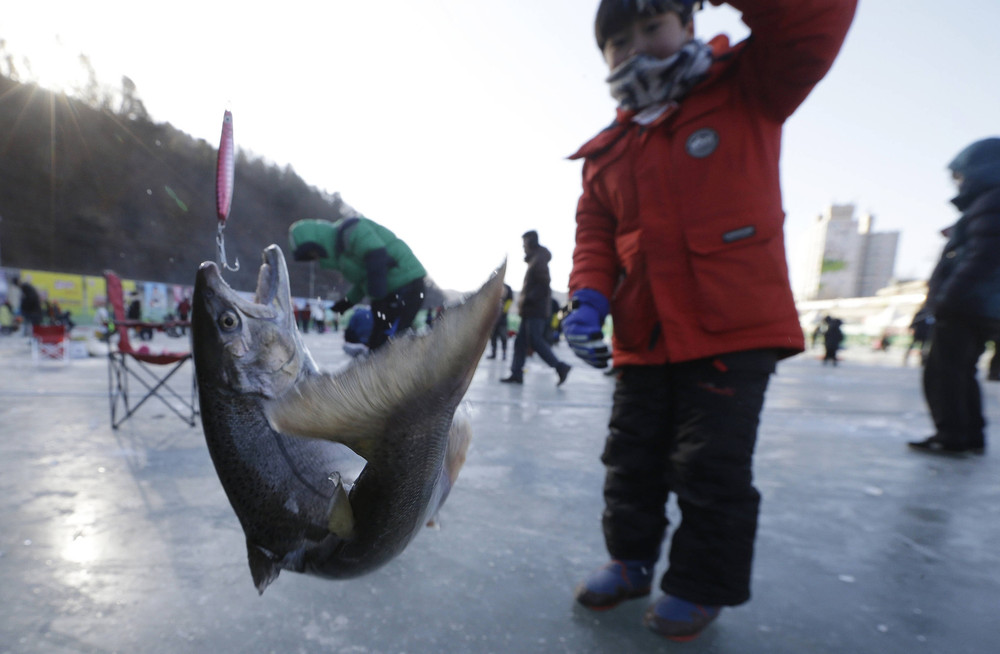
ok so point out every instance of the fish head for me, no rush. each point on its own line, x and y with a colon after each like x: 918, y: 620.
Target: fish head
x: 249, y: 346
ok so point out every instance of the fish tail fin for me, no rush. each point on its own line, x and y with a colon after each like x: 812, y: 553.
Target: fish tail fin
x: 353, y: 406
x: 263, y: 569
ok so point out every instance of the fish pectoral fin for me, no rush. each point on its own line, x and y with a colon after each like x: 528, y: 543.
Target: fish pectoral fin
x: 263, y: 567
x: 459, y: 437
x: 328, y: 407
x: 341, y: 520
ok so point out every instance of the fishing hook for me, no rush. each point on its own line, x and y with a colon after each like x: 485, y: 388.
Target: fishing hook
x: 221, y: 243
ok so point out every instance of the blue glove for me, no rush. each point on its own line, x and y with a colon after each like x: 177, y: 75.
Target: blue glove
x: 582, y: 327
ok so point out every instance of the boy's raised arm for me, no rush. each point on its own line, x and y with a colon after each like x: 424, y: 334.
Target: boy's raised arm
x: 793, y: 44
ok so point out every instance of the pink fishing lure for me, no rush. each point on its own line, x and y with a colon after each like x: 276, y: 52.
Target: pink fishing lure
x: 224, y: 172
x: 224, y: 169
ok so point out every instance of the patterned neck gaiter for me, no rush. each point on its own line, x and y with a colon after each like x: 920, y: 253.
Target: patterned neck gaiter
x: 643, y: 81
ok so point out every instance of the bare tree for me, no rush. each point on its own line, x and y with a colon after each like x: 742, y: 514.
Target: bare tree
x: 131, y: 107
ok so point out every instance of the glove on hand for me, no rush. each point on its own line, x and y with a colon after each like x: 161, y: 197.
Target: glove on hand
x: 582, y: 327
x: 340, y: 306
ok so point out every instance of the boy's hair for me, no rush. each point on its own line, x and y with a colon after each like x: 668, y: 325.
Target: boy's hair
x: 615, y: 15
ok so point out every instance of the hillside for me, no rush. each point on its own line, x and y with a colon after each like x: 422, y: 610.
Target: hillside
x: 83, y: 189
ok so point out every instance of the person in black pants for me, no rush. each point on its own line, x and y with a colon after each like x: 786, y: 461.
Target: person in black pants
x: 963, y: 294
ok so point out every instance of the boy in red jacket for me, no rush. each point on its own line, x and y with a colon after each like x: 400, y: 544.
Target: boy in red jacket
x: 679, y: 236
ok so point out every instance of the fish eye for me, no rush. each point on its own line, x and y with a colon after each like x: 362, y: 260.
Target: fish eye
x: 229, y: 321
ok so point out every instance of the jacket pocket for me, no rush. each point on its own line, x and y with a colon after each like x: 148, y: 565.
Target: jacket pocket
x: 632, y: 302
x: 740, y: 273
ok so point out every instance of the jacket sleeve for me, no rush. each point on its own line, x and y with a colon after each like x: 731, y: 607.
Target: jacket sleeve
x: 973, y: 265
x: 377, y: 263
x: 363, y: 246
x: 793, y: 44
x: 595, y: 262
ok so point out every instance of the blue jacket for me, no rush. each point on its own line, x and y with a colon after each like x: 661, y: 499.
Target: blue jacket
x: 966, y: 281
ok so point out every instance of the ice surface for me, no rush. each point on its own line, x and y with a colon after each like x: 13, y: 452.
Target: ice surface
x: 124, y: 541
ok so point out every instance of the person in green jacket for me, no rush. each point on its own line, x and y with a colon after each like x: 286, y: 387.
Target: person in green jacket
x: 373, y: 259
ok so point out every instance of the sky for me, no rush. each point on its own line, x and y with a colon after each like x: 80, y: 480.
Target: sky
x: 449, y: 121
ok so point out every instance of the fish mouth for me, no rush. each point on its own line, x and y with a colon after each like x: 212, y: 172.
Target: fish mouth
x: 272, y: 297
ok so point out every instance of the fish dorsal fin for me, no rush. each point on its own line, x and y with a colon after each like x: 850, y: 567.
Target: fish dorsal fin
x: 341, y: 520
x: 354, y: 406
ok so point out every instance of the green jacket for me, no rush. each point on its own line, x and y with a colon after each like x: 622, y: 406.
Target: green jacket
x: 367, y: 254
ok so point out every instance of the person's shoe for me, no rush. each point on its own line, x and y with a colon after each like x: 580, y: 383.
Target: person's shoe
x: 491, y: 356
x: 513, y: 379
x: 357, y: 350
x: 937, y: 445
x: 563, y: 371
x: 679, y: 620
x: 614, y: 583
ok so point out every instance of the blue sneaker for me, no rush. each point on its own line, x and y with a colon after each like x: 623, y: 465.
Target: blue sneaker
x: 614, y: 583
x: 679, y: 620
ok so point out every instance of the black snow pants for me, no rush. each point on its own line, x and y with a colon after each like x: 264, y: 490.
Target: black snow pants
x: 395, y: 312
x: 950, y: 385
x: 688, y: 428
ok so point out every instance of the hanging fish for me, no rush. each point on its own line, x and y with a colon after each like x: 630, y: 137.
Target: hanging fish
x: 225, y: 168
x: 278, y: 429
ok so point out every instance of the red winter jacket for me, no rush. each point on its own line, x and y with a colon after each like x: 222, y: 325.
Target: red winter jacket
x: 680, y: 222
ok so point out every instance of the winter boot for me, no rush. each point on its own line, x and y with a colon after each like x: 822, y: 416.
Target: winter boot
x: 563, y: 371
x: 679, y: 620
x: 614, y: 583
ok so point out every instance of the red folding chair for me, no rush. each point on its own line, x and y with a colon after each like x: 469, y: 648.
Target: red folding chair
x: 49, y: 343
x: 126, y: 362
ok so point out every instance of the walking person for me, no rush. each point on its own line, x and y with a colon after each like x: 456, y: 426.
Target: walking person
x: 679, y: 236
x: 183, y: 313
x: 963, y: 295
x: 833, y: 336
x: 533, y: 307
x: 502, y: 324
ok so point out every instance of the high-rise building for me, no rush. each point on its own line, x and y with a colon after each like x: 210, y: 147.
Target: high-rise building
x: 846, y: 258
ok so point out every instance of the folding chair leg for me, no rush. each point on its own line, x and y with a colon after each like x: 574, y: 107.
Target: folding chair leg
x: 118, y: 389
x: 118, y: 376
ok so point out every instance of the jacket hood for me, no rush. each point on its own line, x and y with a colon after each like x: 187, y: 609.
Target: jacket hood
x: 979, y: 166
x: 316, y: 231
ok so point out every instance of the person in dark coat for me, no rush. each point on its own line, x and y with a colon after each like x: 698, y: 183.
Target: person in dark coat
x: 134, y: 312
x: 833, y: 336
x: 501, y: 325
x: 533, y: 307
x: 31, y: 304
x: 963, y: 294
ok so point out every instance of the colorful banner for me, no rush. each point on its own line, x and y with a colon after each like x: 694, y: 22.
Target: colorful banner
x: 82, y: 294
